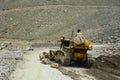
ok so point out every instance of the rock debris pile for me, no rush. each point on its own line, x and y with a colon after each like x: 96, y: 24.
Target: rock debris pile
x: 8, y: 60
x: 45, y: 60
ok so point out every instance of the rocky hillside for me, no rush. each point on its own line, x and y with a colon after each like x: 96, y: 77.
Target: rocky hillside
x: 10, y: 4
x: 32, y: 20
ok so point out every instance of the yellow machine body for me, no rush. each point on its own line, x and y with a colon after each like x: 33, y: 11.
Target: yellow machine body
x: 70, y: 51
x: 77, y: 52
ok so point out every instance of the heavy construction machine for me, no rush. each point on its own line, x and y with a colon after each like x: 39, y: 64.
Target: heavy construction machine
x: 71, y: 52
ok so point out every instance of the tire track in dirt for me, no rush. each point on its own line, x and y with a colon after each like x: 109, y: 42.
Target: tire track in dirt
x: 32, y: 69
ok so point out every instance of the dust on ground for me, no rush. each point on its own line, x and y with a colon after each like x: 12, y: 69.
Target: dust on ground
x: 106, y: 65
x: 18, y: 62
x: 31, y: 68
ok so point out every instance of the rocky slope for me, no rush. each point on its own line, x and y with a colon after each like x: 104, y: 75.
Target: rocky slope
x: 12, y: 4
x: 98, y: 23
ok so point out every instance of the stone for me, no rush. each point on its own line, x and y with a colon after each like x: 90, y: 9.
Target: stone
x: 29, y: 49
x: 41, y: 56
x: 46, y: 61
x: 3, y: 45
x: 54, y: 65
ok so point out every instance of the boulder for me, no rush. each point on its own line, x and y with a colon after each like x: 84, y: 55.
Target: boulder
x: 54, y: 65
x: 46, y: 61
x: 29, y: 49
x: 3, y: 45
x: 43, y: 55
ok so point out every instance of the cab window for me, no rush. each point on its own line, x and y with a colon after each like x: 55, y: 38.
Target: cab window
x: 66, y: 43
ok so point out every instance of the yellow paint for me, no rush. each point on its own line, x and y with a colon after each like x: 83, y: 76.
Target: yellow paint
x: 81, y: 56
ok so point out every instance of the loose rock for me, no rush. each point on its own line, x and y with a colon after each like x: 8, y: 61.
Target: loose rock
x: 46, y: 61
x: 54, y: 65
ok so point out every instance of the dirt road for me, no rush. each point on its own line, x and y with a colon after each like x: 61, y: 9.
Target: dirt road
x: 32, y: 69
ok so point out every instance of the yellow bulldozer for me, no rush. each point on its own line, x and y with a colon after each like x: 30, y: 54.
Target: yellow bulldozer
x: 71, y: 52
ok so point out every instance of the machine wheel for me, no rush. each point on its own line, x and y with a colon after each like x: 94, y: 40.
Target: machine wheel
x: 57, y: 57
x: 65, y: 62
x: 89, y: 61
x: 65, y: 59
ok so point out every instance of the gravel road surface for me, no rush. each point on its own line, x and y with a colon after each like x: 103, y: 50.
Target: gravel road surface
x: 32, y: 69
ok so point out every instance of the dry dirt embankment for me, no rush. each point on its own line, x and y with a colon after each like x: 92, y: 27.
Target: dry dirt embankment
x: 107, y: 66
x: 8, y: 60
x: 10, y: 54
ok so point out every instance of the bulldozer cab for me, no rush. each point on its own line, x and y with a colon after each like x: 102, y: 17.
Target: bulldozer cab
x: 70, y: 52
x: 77, y: 52
x: 65, y: 44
